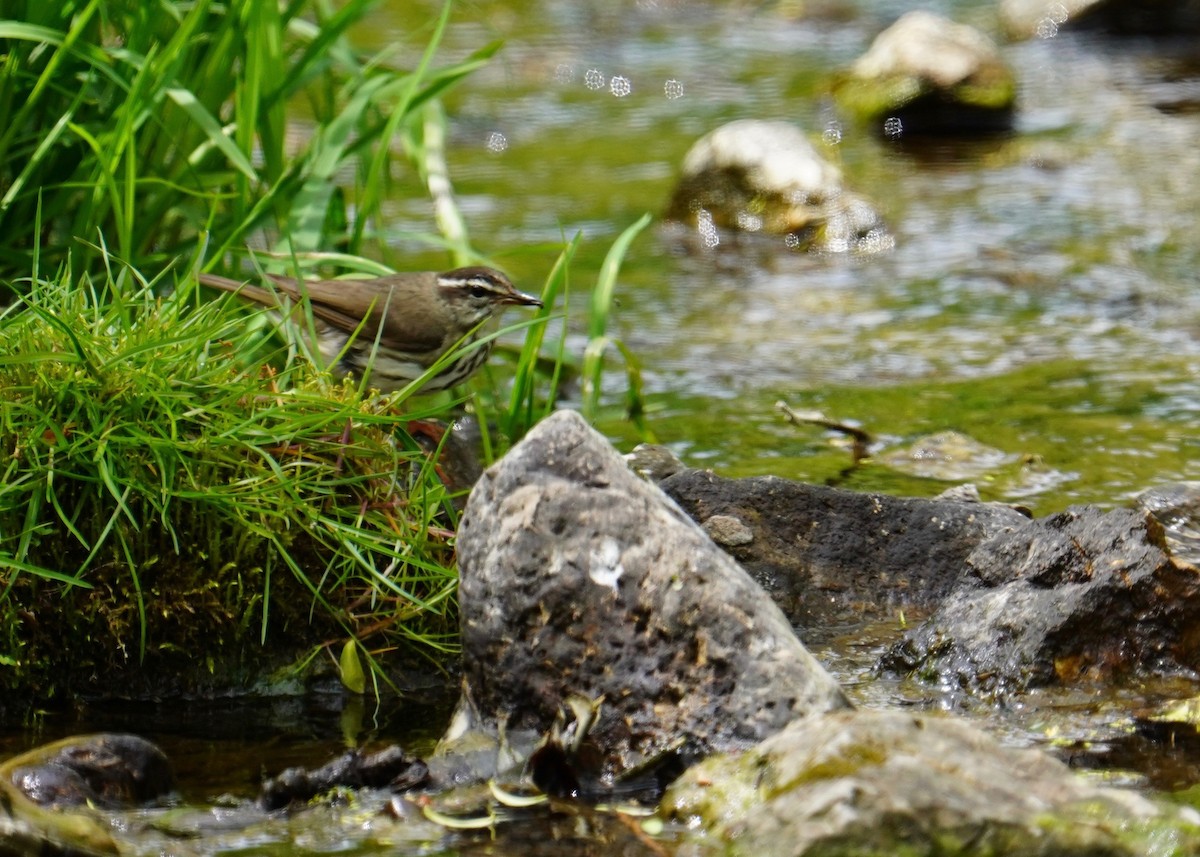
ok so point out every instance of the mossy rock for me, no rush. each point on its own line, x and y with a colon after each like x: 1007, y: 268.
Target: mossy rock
x: 928, y: 75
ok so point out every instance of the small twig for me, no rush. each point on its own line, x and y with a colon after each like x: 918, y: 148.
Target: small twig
x: 862, y: 439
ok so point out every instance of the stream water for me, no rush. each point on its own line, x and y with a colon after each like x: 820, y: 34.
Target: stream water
x: 1041, y: 298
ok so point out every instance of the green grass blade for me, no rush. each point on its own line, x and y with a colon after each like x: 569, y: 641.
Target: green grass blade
x: 601, y: 307
x: 212, y: 131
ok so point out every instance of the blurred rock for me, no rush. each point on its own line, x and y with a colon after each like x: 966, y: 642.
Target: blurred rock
x: 926, y: 75
x: 754, y: 176
x: 51, y: 797
x: 887, y: 783
x: 654, y: 461
x: 107, y: 769
x: 389, y: 768
x: 950, y: 456
x: 1024, y: 19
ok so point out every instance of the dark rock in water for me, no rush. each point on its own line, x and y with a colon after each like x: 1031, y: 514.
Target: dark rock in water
x: 580, y: 580
x: 1025, y: 19
x: 827, y: 554
x: 108, y: 770
x: 48, y: 795
x: 754, y: 176
x: 390, y: 768
x: 1084, y: 594
x: 885, y: 783
x: 928, y: 75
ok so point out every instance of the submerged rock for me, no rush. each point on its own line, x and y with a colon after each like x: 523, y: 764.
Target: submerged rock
x: 928, y: 75
x: 950, y: 456
x: 754, y: 176
x: 581, y: 581
x: 886, y: 783
x: 1084, y: 594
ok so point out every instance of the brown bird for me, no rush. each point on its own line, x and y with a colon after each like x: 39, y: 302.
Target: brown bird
x: 416, y: 317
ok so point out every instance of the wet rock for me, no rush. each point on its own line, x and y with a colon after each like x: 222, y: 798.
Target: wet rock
x: 1023, y: 19
x: 1084, y: 594
x: 884, y: 783
x: 828, y: 554
x: 389, y: 768
x: 107, y: 770
x: 581, y: 580
x: 928, y: 75
x: 753, y: 176
x: 1177, y: 508
x: 29, y: 830
x: 47, y: 795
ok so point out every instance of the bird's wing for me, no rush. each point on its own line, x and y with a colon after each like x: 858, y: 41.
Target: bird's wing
x: 341, y: 303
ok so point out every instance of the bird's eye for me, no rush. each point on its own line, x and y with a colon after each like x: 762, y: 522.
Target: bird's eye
x: 480, y: 292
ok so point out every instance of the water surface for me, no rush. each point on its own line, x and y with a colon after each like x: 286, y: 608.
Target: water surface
x: 1041, y: 296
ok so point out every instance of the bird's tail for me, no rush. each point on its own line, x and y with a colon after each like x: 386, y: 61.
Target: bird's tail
x: 257, y: 294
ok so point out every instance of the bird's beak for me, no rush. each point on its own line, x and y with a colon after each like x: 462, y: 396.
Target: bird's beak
x: 522, y: 299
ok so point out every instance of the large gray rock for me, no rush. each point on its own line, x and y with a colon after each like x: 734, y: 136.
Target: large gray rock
x: 886, y: 783
x: 578, y: 579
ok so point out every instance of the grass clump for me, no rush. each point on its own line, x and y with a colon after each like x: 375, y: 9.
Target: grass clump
x: 177, y: 504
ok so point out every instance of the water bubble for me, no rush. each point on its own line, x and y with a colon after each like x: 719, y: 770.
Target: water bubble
x: 893, y: 128
x: 496, y: 142
x: 832, y: 135
x: 707, y: 229
x: 673, y: 89
x: 593, y: 78
x: 878, y: 240
x: 564, y: 73
x: 791, y: 240
x: 748, y: 221
x: 1056, y: 15
x: 620, y: 86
